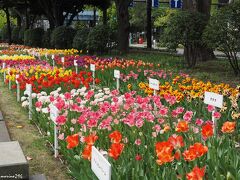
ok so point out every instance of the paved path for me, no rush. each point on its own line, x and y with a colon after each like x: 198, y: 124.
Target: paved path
x: 180, y: 51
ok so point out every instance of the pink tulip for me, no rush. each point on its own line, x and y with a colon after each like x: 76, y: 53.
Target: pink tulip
x: 210, y: 108
x: 138, y: 142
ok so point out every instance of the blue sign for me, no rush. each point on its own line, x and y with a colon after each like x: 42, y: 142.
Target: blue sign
x: 155, y: 3
x: 176, y: 3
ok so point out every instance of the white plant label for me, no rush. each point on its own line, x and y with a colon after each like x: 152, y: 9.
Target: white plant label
x: 100, y: 166
x: 53, y: 112
x: 62, y: 59
x: 154, y: 84
x: 28, y: 90
x: 213, y: 99
x: 75, y: 63
x: 16, y: 77
x: 3, y: 65
x: 92, y: 67
x: 117, y: 74
x: 53, y: 56
x: 18, y: 88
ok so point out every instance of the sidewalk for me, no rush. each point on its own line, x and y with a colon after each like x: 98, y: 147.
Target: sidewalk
x: 180, y: 51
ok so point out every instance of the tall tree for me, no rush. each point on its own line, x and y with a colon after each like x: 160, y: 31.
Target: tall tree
x: 201, y: 52
x: 6, y: 10
x: 149, y: 24
x: 5, y: 5
x: 123, y: 24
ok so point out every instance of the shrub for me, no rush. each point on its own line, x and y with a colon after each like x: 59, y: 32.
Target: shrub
x: 46, y: 39
x: 98, y: 39
x: 80, y: 39
x: 21, y: 35
x: 79, y: 25
x: 223, y: 32
x: 15, y: 34
x: 33, y: 37
x: 62, y: 37
x: 4, y: 33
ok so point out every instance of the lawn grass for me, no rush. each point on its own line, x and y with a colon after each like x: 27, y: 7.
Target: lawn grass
x: 32, y: 143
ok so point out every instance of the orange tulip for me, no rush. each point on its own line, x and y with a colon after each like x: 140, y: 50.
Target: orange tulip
x: 228, y: 127
x: 199, y: 149
x: 90, y: 140
x: 189, y: 155
x: 207, y: 130
x: 116, y: 150
x: 115, y: 137
x: 87, y: 152
x: 164, y: 152
x: 72, y: 141
x: 182, y: 126
x: 196, y: 174
x: 195, y: 151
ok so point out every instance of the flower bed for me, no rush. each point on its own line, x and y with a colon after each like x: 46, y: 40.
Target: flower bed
x: 166, y: 141
x: 164, y: 136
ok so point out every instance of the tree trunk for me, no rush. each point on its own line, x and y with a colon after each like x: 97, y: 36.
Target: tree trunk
x: 190, y: 53
x: 149, y: 24
x: 31, y: 22
x: 201, y: 52
x: 69, y: 22
x: 47, y: 7
x: 8, y: 26
x: 104, y: 16
x: 51, y: 23
x: 123, y: 25
x: 58, y: 14
x: 19, y: 17
x: 26, y: 16
x: 94, y: 17
x: 19, y: 21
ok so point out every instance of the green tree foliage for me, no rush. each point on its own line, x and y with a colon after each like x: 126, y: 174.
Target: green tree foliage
x: 223, y: 33
x: 138, y: 17
x: 2, y: 19
x: 4, y: 33
x: 163, y: 17
x: 112, y: 14
x: 185, y: 28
